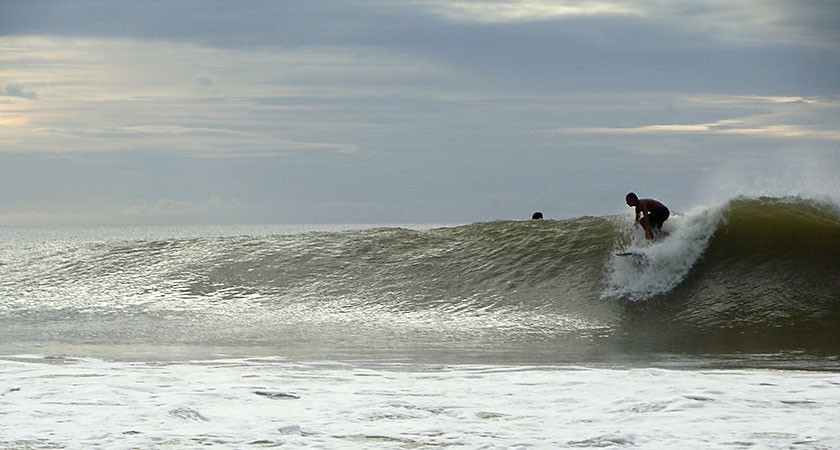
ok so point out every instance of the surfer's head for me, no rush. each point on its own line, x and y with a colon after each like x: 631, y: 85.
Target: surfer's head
x: 537, y: 216
x: 632, y: 199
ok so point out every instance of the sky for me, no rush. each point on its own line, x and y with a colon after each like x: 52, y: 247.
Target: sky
x: 122, y: 112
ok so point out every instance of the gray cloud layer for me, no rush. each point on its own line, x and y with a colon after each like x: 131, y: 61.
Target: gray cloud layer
x: 416, y: 111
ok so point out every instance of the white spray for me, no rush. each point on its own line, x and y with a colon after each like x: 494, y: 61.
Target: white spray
x: 657, y: 267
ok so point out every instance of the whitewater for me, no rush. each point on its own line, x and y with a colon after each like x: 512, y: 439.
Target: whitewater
x: 505, y: 334
x: 264, y: 403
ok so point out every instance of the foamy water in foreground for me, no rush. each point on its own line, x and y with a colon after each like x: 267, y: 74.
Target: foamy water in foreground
x: 259, y: 403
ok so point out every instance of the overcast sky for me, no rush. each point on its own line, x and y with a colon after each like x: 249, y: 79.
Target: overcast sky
x: 417, y: 111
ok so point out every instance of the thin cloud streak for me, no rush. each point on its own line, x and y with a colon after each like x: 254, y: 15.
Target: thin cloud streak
x: 528, y: 10
x: 777, y: 118
x: 723, y: 127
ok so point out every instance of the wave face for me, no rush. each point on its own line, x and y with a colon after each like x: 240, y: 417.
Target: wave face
x: 768, y: 277
x: 753, y: 275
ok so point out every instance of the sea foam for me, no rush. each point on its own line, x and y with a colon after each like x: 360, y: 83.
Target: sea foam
x: 88, y: 403
x: 657, y: 267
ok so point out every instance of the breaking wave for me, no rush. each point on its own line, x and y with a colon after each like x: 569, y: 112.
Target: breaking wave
x: 765, y: 268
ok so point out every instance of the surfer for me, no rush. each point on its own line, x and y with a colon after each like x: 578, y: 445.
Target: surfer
x: 537, y: 216
x: 650, y: 213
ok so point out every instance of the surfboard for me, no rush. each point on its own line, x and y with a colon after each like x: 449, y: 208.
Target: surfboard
x: 631, y: 253
x: 636, y: 256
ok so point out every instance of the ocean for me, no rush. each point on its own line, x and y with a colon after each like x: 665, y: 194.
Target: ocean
x: 507, y: 334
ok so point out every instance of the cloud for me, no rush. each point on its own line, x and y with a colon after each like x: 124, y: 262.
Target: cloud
x: 18, y: 90
x: 741, y: 22
x: 773, y: 117
x: 722, y: 127
x: 753, y: 23
x: 529, y: 10
x: 13, y: 120
x: 120, y: 94
x: 378, y: 104
x: 220, y: 23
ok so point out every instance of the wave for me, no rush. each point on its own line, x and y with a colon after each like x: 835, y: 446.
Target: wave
x: 754, y: 273
x: 762, y: 267
x: 750, y: 240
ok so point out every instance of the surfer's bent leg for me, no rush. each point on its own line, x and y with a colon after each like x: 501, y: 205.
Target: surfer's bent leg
x: 658, y: 217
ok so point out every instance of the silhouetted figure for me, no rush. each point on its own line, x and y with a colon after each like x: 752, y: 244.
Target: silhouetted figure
x: 650, y: 213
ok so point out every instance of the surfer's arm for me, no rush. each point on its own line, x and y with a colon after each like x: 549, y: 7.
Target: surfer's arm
x: 648, y: 231
x: 645, y: 219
